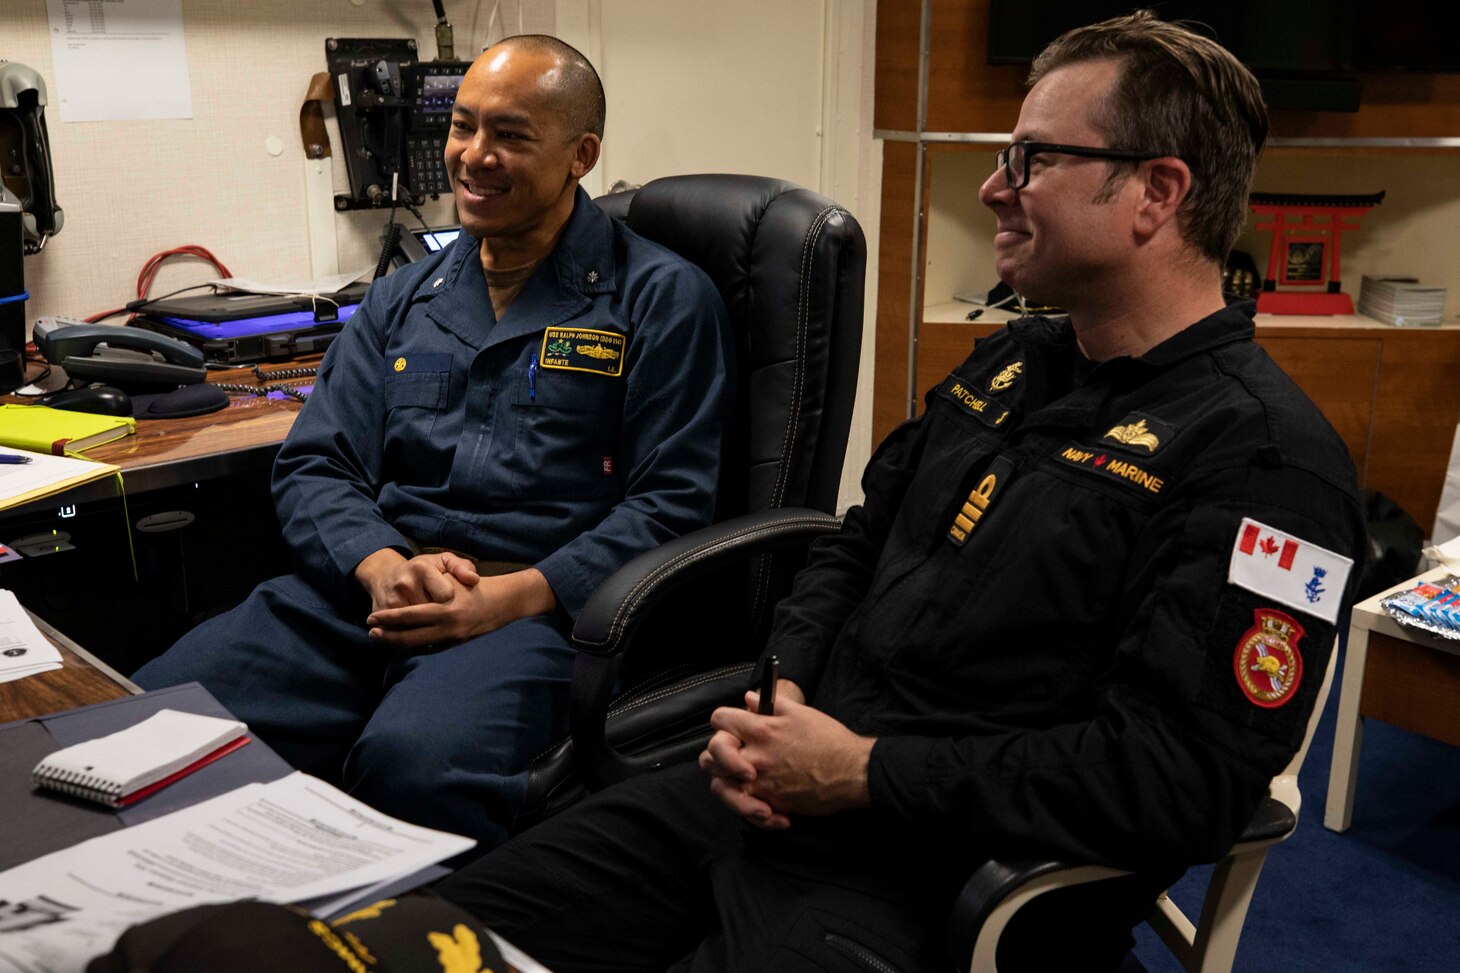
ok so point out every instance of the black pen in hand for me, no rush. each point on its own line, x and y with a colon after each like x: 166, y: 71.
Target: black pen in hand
x: 768, y: 676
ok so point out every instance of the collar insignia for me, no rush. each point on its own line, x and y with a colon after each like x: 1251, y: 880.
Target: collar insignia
x: 592, y: 276
x: 1007, y: 377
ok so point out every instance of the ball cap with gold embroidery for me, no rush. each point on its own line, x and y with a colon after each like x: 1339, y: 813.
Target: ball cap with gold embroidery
x: 417, y: 933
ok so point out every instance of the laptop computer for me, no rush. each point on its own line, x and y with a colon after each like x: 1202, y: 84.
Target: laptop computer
x: 234, y: 328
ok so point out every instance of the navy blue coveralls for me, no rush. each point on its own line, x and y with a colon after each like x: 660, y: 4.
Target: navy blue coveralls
x: 581, y: 429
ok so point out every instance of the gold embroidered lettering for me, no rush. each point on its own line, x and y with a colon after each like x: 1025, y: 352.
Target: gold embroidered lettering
x: 973, y: 402
x: 1136, y: 475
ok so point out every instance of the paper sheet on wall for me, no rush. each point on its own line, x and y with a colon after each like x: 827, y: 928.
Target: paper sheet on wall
x: 292, y: 840
x: 119, y: 60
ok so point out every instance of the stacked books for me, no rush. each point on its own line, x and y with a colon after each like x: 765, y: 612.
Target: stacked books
x: 1401, y: 300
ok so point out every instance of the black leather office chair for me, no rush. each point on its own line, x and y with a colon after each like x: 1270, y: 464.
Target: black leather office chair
x: 999, y: 889
x: 683, y: 624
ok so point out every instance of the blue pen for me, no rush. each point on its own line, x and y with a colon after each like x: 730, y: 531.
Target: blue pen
x: 10, y: 459
x: 532, y: 378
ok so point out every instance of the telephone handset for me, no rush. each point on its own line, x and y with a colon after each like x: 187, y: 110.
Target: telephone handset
x: 131, y: 359
x: 394, y: 111
x: 24, y: 141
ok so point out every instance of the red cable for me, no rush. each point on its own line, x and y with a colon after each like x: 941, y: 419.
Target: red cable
x: 149, y: 271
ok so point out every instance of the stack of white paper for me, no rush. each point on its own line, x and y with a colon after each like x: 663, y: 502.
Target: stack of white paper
x: 1401, y: 300
x: 294, y: 840
x: 24, y: 651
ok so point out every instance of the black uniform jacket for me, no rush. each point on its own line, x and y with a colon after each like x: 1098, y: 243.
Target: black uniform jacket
x: 1031, y: 610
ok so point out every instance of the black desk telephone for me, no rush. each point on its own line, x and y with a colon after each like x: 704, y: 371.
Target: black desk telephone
x: 129, y: 358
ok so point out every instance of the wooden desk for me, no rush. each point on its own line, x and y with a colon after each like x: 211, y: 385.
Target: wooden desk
x: 169, y: 452
x: 1400, y: 675
x: 127, y: 593
x: 82, y: 679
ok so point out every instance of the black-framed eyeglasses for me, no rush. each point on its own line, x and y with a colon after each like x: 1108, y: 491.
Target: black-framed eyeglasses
x: 1014, y: 158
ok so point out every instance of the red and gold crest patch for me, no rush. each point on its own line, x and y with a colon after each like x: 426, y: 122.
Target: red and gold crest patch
x: 1267, y: 662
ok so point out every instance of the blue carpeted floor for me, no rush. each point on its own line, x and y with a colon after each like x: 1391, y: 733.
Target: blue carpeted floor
x: 1384, y: 897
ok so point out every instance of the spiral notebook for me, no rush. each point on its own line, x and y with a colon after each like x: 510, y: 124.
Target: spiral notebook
x: 126, y: 766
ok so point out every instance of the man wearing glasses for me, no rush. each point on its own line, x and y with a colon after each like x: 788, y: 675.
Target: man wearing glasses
x: 1083, y: 613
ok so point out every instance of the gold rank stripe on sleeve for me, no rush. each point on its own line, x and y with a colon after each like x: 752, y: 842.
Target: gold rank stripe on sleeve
x: 979, y: 500
x: 583, y: 350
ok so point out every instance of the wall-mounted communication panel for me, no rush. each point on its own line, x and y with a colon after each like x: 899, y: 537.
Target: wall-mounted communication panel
x: 394, y: 111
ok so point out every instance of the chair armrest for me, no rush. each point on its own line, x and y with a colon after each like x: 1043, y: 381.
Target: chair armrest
x: 605, y: 628
x: 1272, y: 822
x: 620, y: 603
x: 995, y: 892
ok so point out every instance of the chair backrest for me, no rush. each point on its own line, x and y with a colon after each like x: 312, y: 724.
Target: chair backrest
x: 790, y: 265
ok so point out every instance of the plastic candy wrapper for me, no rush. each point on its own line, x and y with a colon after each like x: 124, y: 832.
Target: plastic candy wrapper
x: 1433, y: 606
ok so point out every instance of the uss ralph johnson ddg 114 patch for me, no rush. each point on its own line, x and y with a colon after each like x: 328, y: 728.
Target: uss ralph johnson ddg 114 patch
x: 583, y: 350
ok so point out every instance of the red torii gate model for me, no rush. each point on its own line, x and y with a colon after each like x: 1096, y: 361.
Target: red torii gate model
x: 1305, y: 254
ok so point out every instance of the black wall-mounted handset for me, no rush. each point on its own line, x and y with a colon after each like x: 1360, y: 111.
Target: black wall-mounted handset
x: 393, y: 110
x: 26, y: 153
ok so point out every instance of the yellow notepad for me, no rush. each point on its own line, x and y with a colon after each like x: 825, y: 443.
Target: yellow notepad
x: 41, y: 429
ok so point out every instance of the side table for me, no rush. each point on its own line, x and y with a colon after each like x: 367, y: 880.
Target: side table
x: 1402, y: 676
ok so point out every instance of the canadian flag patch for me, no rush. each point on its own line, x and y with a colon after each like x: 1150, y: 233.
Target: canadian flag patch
x: 1288, y: 569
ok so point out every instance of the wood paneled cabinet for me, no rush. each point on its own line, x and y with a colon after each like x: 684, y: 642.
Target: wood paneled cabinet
x: 1393, y: 394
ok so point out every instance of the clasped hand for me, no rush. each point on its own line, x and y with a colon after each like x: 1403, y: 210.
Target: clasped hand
x: 436, y: 600
x: 797, y: 761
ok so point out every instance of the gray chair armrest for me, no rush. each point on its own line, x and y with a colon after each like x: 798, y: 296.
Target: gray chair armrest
x: 605, y: 628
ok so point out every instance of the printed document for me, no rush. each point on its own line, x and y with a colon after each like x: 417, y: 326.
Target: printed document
x: 119, y: 60
x: 292, y: 840
x: 24, y: 651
